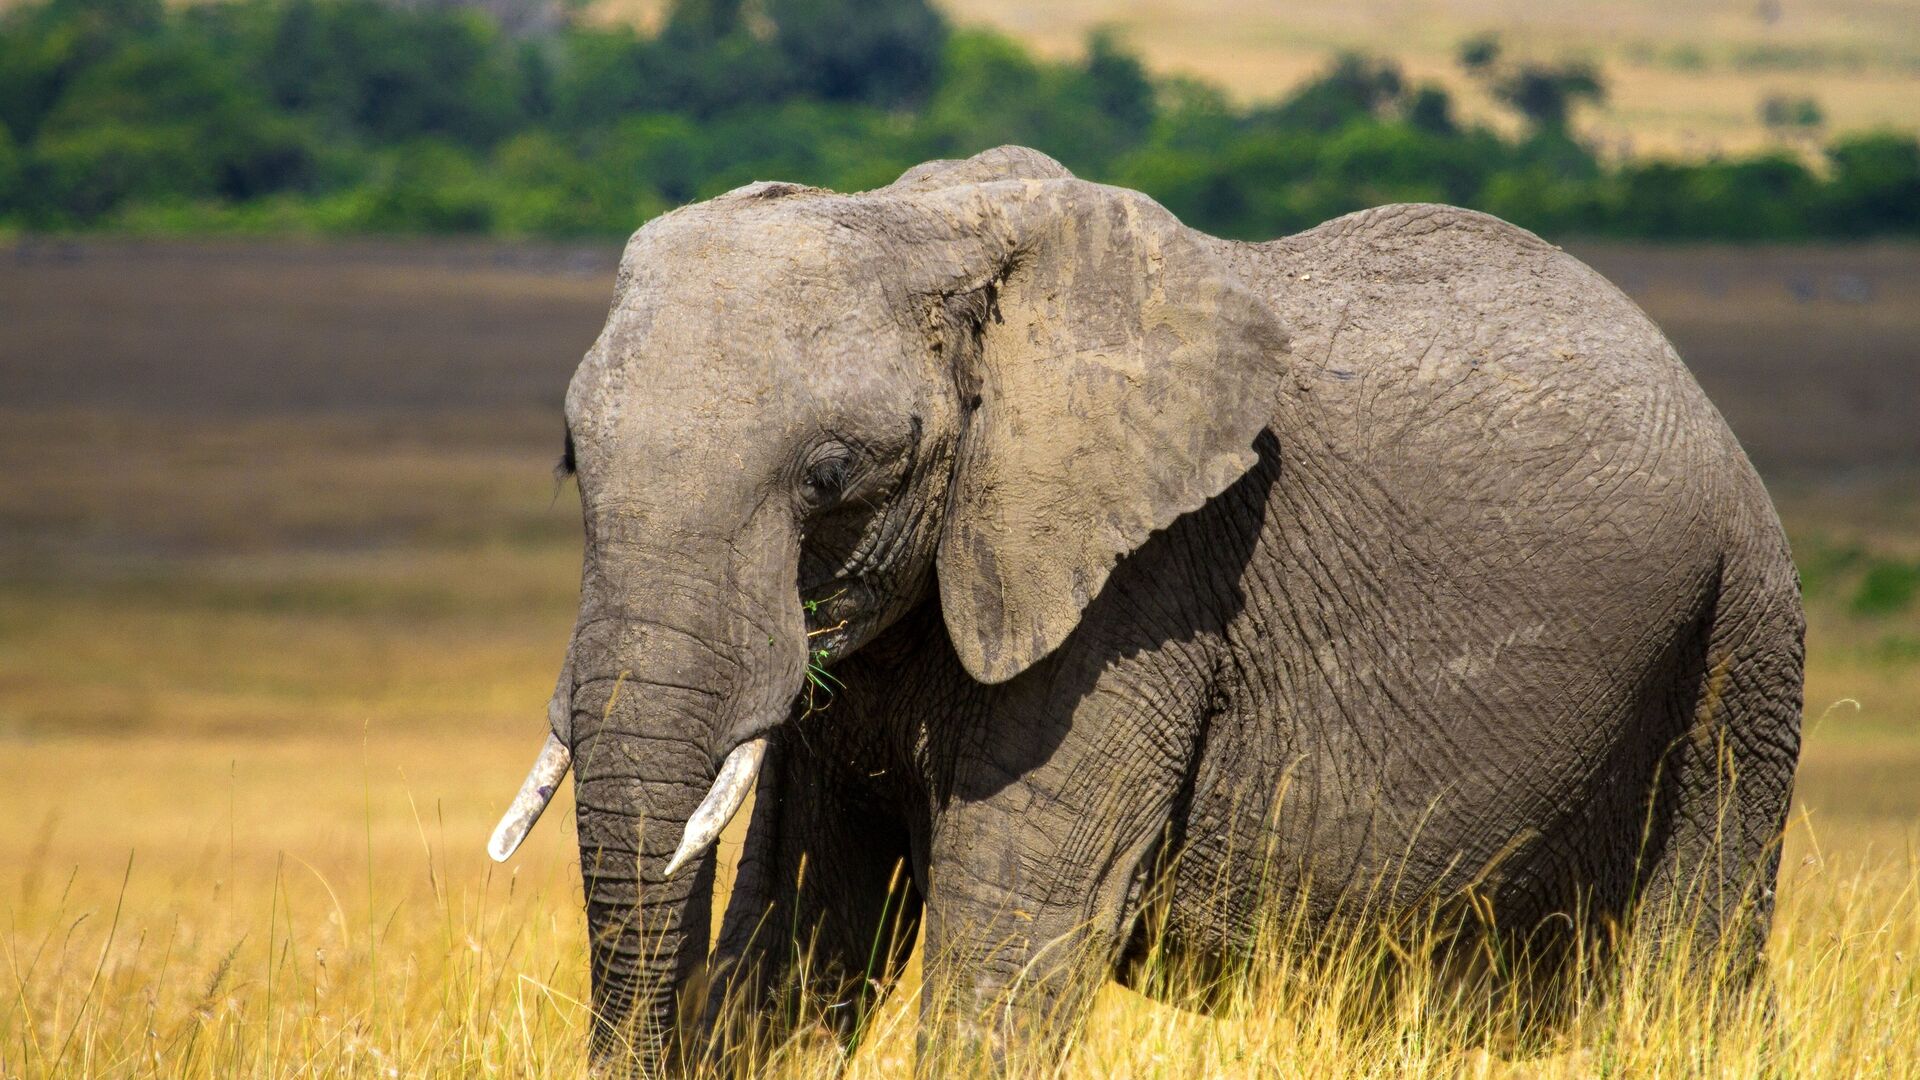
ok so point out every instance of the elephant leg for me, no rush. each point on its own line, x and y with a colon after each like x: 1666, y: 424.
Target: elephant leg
x: 821, y: 919
x: 1004, y: 995
x: 1017, y: 943
x: 1707, y: 891
x: 1034, y: 890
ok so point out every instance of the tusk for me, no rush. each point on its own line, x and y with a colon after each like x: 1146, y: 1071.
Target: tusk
x: 535, y: 794
x: 729, y: 790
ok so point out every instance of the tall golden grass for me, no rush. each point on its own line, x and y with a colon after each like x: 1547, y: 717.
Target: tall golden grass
x: 324, y: 910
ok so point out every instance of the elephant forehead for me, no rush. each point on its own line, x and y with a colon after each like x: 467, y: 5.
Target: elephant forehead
x: 745, y: 292
x: 772, y: 267
x: 715, y: 328
x: 699, y: 364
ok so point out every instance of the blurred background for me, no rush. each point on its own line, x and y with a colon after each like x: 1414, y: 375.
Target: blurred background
x: 290, y: 291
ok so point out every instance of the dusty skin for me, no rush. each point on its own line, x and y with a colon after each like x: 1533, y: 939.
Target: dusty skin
x: 1171, y: 589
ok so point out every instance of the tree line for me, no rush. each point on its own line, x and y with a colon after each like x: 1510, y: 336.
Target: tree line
x: 376, y: 116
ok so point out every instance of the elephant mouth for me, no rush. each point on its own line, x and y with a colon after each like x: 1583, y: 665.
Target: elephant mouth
x: 723, y: 800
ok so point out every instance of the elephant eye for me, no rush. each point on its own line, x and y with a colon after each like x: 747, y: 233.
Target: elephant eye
x: 826, y: 479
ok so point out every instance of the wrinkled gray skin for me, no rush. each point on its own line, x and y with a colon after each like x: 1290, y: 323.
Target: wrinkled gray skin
x: 1402, y: 557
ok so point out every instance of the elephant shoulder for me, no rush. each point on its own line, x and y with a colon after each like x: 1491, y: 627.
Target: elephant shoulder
x: 1452, y: 327
x: 1415, y: 243
x: 1428, y: 284
x: 999, y: 163
x: 1429, y: 222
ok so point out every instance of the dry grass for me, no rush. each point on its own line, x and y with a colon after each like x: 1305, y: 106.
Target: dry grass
x: 315, y: 907
x: 267, y: 678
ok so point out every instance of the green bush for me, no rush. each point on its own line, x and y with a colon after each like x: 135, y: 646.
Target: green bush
x: 1391, y: 162
x: 10, y: 178
x: 370, y: 115
x: 1875, y: 187
x: 1822, y: 564
x: 368, y: 68
x: 79, y: 177
x: 1887, y: 587
x: 1897, y: 649
x: 991, y: 91
x: 1356, y: 88
x: 878, y: 52
x: 1768, y: 196
x: 1545, y: 201
x: 426, y: 186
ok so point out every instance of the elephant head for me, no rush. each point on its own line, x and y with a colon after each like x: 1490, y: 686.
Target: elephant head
x: 809, y: 412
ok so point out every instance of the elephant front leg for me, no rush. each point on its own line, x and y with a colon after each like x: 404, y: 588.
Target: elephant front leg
x: 821, y: 918
x: 1004, y: 996
x: 1020, y: 934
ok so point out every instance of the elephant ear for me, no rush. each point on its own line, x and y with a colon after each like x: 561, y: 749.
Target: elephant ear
x: 1115, y: 377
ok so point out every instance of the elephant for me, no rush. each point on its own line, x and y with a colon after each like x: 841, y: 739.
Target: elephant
x: 1034, y: 561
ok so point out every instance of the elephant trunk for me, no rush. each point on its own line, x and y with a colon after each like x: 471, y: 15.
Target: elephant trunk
x: 642, y: 759
x: 647, y: 932
x: 666, y: 709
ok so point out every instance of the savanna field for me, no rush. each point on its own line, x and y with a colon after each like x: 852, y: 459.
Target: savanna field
x: 285, y: 575
x: 1683, y: 80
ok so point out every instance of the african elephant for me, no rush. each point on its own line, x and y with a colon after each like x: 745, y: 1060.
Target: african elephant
x: 1394, y: 559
